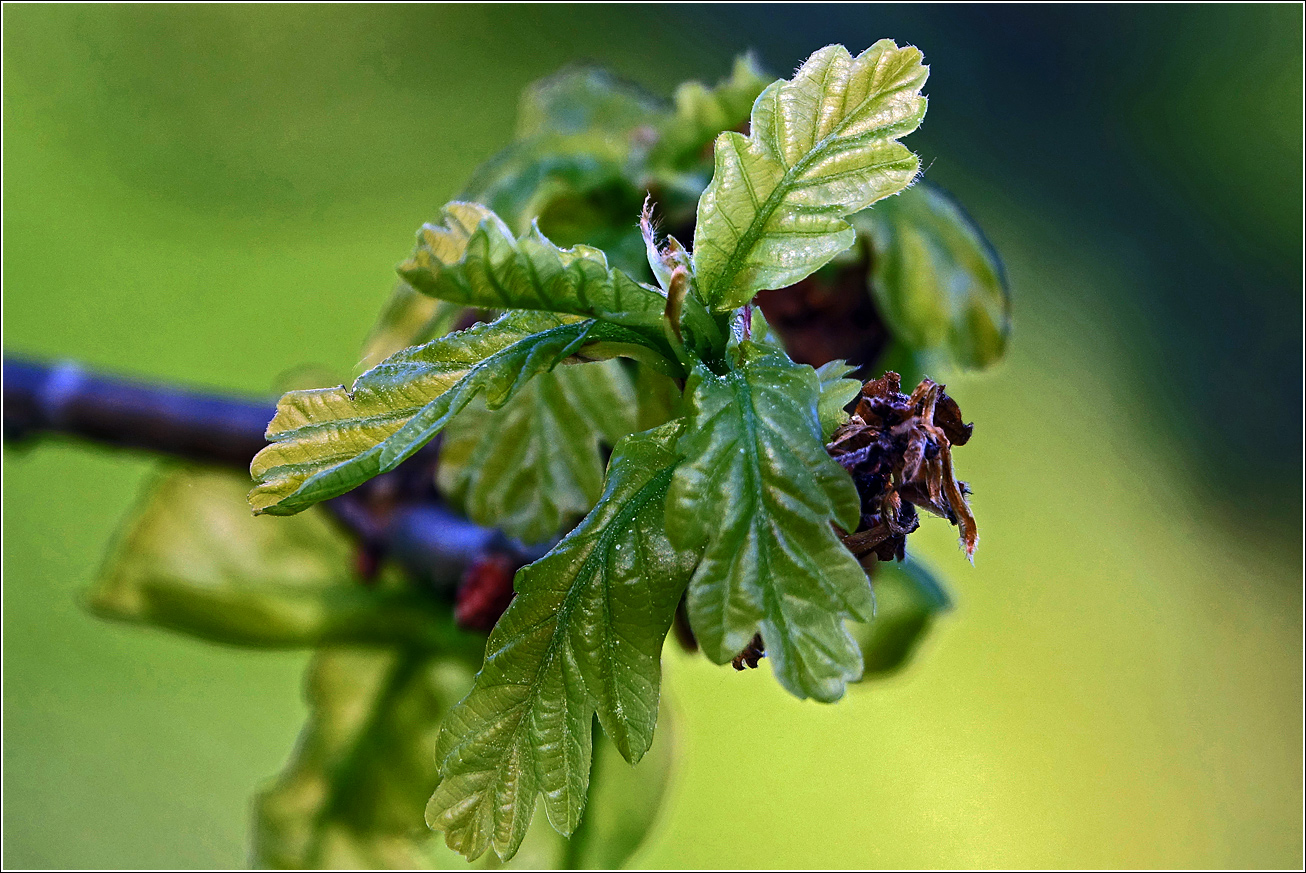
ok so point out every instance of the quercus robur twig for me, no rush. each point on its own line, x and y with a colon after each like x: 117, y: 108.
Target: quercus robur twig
x: 671, y: 440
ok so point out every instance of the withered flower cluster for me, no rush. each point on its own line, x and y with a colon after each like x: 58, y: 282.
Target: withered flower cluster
x: 898, y: 449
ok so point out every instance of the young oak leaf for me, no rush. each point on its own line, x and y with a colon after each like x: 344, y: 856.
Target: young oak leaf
x: 758, y: 490
x: 823, y: 145
x: 534, y: 467
x: 583, y: 635
x: 328, y: 440
x: 486, y: 266
x: 836, y: 393
x: 936, y: 280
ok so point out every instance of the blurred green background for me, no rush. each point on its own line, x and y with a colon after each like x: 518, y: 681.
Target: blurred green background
x: 218, y: 195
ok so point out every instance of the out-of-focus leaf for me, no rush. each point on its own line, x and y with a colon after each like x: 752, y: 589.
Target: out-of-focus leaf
x: 758, y: 489
x: 937, y: 282
x: 657, y: 398
x: 575, y: 163
x: 192, y: 559
x: 472, y: 258
x: 836, y: 393
x: 908, y: 598
x: 599, y: 218
x: 326, y: 441
x: 702, y: 112
x: 623, y: 802
x: 534, y: 467
x: 577, y: 190
x: 823, y: 145
x: 409, y: 318
x: 583, y: 636
x: 352, y: 796
x: 585, y: 100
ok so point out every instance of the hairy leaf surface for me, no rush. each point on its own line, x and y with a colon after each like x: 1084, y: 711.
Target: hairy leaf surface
x: 534, y: 467
x: 823, y: 145
x: 758, y: 490
x: 583, y: 636
x: 936, y: 280
x: 481, y: 264
x: 326, y: 441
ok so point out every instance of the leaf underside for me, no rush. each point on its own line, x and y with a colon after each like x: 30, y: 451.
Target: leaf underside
x: 326, y: 441
x: 758, y: 491
x: 583, y: 636
x: 822, y: 146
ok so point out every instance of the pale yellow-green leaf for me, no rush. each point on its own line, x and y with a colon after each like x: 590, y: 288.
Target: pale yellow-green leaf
x: 821, y: 147
x: 325, y: 442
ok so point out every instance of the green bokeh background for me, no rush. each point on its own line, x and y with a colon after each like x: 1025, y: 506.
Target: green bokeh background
x: 217, y: 195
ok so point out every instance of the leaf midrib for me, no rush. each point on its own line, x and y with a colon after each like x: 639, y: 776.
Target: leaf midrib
x: 735, y: 263
x: 561, y: 617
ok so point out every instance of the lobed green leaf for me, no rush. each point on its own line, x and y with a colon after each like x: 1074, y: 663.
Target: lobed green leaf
x: 481, y: 264
x: 326, y: 441
x: 583, y: 636
x: 936, y: 280
x: 535, y: 467
x: 823, y: 145
x: 758, y: 491
x: 836, y: 393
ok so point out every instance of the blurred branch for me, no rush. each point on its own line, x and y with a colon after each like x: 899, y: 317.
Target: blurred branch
x: 69, y: 400
x: 397, y: 516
